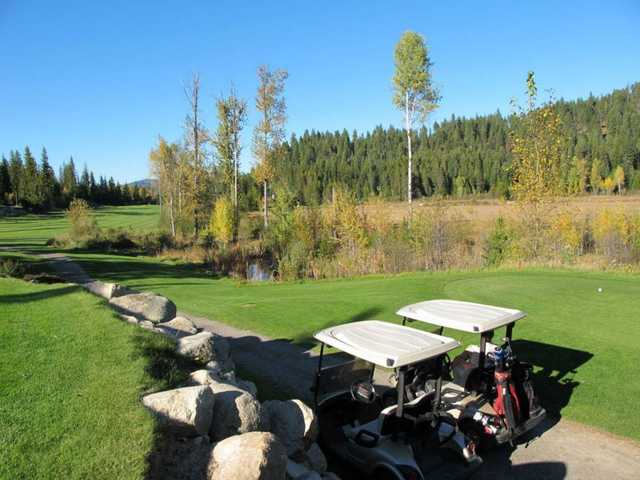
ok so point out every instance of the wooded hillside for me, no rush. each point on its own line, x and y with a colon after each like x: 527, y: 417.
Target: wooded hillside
x: 463, y: 155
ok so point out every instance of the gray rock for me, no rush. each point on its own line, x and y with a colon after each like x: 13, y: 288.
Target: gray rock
x: 316, y: 459
x: 202, y: 377
x: 104, y: 290
x: 146, y: 324
x: 187, y: 410
x: 250, y: 456
x: 178, y: 327
x: 221, y: 367
x: 236, y: 412
x: 208, y: 377
x: 129, y: 319
x: 145, y: 306
x: 293, y: 422
x: 204, y: 347
x: 296, y: 470
x: 248, y: 386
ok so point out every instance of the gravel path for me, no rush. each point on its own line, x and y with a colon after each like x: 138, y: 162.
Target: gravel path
x: 558, y: 449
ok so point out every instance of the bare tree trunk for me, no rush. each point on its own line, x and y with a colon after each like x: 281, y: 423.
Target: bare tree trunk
x: 196, y: 153
x: 193, y: 96
x: 171, y: 216
x: 236, y: 211
x: 266, y: 200
x: 409, y: 168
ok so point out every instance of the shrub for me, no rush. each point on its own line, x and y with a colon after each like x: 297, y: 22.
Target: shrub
x: 83, y: 224
x: 435, y: 237
x: 222, y: 218
x: 497, y: 244
x: 568, y: 235
x: 10, y: 267
x: 617, y: 235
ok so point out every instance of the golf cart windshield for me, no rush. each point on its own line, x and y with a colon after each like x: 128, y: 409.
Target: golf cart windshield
x: 336, y: 379
x: 463, y: 316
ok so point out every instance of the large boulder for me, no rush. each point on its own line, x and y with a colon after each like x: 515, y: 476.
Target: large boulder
x: 250, y: 456
x: 178, y: 327
x: 236, y: 412
x: 187, y: 410
x: 106, y: 290
x: 208, y: 377
x: 293, y: 422
x: 145, y: 306
x: 204, y: 347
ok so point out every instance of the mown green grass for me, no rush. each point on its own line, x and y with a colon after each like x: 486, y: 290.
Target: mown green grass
x: 71, y: 378
x: 583, y: 343
x: 32, y: 231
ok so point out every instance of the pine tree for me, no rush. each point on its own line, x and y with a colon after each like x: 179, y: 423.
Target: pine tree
x: 5, y: 180
x: 69, y: 180
x: 47, y: 181
x: 16, y: 170
x: 32, y: 191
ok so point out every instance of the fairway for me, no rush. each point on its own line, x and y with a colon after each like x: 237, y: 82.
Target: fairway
x: 582, y: 342
x: 71, y: 376
x: 32, y: 231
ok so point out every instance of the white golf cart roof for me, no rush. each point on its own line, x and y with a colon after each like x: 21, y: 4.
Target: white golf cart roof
x: 464, y: 316
x: 386, y: 344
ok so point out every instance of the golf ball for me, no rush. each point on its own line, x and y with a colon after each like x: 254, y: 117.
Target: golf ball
x: 599, y: 289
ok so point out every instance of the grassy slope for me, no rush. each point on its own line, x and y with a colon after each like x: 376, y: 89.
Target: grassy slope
x: 584, y: 343
x: 71, y: 376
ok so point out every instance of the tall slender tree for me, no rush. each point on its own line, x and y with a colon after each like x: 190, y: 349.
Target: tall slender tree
x: 16, y: 170
x: 414, y: 92
x: 47, y: 180
x: 32, y: 193
x: 196, y: 138
x: 5, y: 180
x: 232, y: 114
x: 269, y: 131
x: 69, y: 179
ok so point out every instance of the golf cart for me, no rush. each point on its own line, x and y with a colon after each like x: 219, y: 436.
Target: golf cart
x: 491, y: 392
x: 371, y: 426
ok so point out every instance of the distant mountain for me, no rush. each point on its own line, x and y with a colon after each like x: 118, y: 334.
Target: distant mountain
x: 149, y: 183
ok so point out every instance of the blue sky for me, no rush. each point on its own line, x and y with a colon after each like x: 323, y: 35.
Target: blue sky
x: 101, y: 80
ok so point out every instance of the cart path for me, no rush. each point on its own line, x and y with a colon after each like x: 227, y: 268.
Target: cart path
x: 559, y: 449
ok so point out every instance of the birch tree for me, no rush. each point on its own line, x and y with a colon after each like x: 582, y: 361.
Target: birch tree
x: 269, y: 131
x: 165, y: 166
x: 196, y: 137
x: 414, y: 93
x: 232, y: 115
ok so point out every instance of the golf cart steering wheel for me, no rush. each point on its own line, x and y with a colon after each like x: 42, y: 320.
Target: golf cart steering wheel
x: 363, y: 391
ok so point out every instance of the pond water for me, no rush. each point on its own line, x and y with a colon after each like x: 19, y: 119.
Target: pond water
x: 257, y: 272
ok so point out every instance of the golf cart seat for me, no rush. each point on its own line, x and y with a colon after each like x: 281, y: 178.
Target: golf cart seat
x: 389, y: 422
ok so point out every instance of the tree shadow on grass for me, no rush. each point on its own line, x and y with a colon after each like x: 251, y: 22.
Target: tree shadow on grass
x: 172, y: 455
x: 36, y: 296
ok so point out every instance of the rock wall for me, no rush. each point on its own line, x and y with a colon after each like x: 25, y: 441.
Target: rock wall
x: 217, y: 413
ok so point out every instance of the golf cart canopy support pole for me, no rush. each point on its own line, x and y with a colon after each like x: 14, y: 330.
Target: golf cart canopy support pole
x: 400, y: 388
x: 317, y: 386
